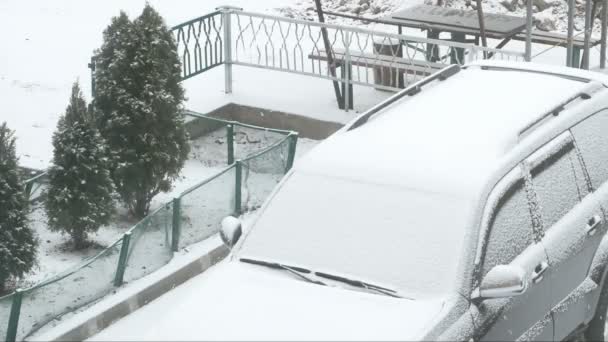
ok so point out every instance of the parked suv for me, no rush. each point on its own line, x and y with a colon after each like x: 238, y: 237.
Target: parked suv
x: 469, y: 206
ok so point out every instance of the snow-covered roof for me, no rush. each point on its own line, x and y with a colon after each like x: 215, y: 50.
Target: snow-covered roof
x: 447, y: 138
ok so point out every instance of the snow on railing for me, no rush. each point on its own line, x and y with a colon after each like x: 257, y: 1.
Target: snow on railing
x: 347, y: 54
x: 200, y: 44
x: 373, y: 58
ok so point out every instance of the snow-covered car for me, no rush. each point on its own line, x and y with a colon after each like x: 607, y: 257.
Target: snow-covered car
x: 469, y: 206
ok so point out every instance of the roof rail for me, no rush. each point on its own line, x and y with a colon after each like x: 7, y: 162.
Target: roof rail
x: 583, y: 94
x: 409, y: 91
x: 507, y: 68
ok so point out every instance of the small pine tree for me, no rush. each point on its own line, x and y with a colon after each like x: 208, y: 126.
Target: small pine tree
x: 17, y: 241
x: 79, y: 197
x: 138, y: 101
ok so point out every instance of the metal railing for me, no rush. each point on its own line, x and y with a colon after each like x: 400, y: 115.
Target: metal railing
x: 33, y: 186
x: 359, y: 56
x: 200, y: 44
x: 231, y: 36
x: 374, y: 57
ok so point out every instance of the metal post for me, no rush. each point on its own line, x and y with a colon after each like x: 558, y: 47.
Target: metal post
x: 347, y: 72
x: 570, y: 46
x: 92, y: 67
x: 457, y: 54
x: 122, y: 259
x: 28, y: 190
x: 13, y: 320
x: 588, y: 28
x: 237, y: 188
x: 230, y: 143
x: 473, y: 52
x: 176, y: 224
x: 604, y: 36
x: 576, y: 57
x: 226, y: 14
x: 432, y: 50
x: 528, y: 54
x: 291, y: 155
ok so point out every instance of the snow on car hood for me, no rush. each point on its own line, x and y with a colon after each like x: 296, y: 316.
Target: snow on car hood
x: 236, y: 301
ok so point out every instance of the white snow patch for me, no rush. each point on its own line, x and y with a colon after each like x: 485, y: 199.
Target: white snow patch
x: 235, y: 301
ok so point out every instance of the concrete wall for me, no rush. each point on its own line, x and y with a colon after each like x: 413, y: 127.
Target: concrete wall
x: 306, y: 127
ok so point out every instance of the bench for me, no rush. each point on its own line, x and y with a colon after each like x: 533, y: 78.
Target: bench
x: 370, y: 60
x: 557, y: 39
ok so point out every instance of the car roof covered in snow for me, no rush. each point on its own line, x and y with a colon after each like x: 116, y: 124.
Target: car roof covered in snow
x: 449, y: 137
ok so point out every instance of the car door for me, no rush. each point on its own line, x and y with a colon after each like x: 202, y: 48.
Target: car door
x: 511, y: 239
x: 571, y: 223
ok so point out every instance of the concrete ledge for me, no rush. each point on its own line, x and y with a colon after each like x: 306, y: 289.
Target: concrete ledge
x: 305, y: 126
x: 139, y: 293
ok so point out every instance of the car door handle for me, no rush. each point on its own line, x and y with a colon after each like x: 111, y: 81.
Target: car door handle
x: 539, y: 270
x: 593, y: 224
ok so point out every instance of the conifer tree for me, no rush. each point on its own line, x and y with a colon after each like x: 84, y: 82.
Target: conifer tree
x: 17, y: 241
x: 79, y: 198
x: 138, y: 103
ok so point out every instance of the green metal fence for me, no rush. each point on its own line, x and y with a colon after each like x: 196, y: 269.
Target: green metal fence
x: 6, y: 303
x: 149, y: 245
x: 201, y: 214
x: 34, y: 186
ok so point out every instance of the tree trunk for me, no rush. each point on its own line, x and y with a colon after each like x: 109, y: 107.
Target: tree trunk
x: 141, y: 207
x: 2, y: 286
x: 79, y: 237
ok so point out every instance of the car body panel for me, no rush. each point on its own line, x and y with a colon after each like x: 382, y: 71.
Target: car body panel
x: 238, y: 301
x: 235, y: 301
x: 523, y: 315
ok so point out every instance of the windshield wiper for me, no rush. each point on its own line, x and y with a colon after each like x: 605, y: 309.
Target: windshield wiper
x: 361, y: 284
x: 297, y: 271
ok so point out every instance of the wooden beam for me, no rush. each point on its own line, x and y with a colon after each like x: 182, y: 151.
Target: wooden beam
x: 330, y: 59
x: 588, y: 28
x: 604, y: 16
x: 482, y: 27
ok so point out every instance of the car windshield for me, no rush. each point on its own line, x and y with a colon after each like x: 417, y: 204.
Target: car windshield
x: 400, y: 238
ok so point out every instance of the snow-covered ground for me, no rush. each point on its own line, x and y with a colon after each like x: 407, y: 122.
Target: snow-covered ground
x: 50, y: 43
x: 207, y: 158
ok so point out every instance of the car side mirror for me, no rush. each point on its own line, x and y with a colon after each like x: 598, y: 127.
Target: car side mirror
x: 502, y: 281
x: 230, y: 231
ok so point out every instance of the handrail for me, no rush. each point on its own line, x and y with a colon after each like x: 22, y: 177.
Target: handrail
x: 355, y: 29
x: 235, y: 123
x: 203, y: 17
x: 36, y: 177
x: 206, y: 180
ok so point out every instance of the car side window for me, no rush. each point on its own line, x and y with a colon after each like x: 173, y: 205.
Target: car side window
x: 558, y: 180
x: 510, y: 227
x: 591, y: 136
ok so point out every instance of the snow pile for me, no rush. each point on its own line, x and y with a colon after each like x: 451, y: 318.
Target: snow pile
x: 549, y: 15
x: 305, y: 9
